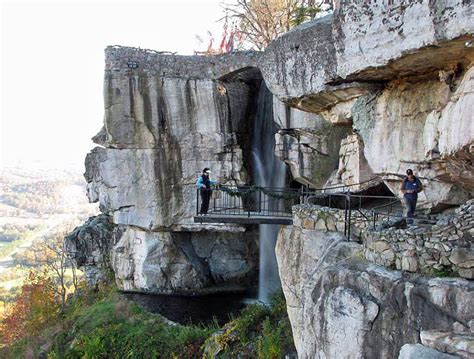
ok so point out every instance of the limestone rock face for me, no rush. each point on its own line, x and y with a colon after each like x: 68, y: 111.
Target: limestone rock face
x: 424, y: 126
x: 401, y: 76
x: 142, y: 187
x: 307, y: 143
x: 89, y: 246
x: 180, y: 262
x: 312, y: 251
x: 461, y: 344
x: 332, y: 59
x: 340, y: 304
x: 418, y: 351
x: 166, y: 118
x: 353, y: 168
x: 159, y: 133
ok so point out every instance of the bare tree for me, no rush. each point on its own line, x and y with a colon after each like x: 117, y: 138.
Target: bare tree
x: 258, y: 22
x: 51, y: 254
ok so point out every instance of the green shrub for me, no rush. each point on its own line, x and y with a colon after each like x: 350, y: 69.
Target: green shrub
x: 269, y: 343
x: 259, y: 331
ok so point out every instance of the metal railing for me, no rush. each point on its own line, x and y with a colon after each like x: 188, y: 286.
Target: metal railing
x: 255, y: 201
x: 247, y: 201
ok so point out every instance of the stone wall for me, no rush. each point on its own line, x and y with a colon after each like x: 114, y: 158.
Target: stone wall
x: 444, y: 248
x: 331, y: 219
x: 441, y: 249
x: 119, y: 58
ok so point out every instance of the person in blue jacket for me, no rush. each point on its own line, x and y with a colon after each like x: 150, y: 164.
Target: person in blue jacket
x: 410, y: 188
x: 204, y: 183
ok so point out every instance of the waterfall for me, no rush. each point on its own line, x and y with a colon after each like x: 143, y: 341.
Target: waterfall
x: 268, y: 171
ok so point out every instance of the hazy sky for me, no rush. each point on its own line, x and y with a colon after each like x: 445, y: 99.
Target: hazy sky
x: 52, y: 60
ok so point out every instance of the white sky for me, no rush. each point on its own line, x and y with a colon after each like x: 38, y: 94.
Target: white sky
x: 52, y: 66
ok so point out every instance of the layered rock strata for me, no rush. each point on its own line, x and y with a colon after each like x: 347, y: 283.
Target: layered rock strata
x: 166, y: 118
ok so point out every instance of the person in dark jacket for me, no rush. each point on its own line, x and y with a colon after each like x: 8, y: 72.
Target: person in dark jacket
x: 410, y: 188
x: 204, y: 183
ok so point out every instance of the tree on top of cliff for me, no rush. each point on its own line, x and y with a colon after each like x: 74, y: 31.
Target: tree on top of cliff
x: 255, y: 23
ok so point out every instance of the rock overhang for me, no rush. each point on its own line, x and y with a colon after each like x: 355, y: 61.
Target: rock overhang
x: 361, y: 45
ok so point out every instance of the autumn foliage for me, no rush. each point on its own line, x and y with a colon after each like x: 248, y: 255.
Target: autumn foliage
x: 36, y: 306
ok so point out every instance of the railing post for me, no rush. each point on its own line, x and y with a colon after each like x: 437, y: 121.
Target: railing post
x: 248, y: 206
x: 197, y: 201
x: 259, y: 201
x: 349, y: 220
x: 345, y: 216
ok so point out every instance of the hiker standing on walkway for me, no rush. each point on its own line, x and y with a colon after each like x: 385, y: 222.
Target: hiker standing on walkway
x: 204, y: 183
x: 410, y: 188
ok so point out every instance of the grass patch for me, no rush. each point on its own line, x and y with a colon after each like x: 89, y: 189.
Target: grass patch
x: 104, y: 324
x: 258, y: 332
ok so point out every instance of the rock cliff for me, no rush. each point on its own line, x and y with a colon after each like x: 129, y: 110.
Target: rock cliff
x: 365, y: 92
x: 400, y: 77
x: 166, y: 118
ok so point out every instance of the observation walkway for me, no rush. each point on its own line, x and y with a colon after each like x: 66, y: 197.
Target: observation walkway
x: 264, y: 205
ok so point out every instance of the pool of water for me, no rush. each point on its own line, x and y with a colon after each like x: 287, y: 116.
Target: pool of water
x: 194, y: 310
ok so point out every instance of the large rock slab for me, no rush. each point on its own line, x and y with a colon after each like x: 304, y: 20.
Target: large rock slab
x: 311, y: 66
x: 342, y: 306
x: 151, y: 188
x: 180, y: 262
x: 418, y: 351
x: 461, y: 344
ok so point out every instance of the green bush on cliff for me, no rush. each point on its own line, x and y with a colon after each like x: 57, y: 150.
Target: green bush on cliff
x: 258, y: 332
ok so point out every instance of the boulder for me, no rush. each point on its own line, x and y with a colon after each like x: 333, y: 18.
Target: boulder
x: 89, y: 246
x: 418, y: 351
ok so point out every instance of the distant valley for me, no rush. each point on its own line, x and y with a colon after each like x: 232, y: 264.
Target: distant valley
x: 36, y: 204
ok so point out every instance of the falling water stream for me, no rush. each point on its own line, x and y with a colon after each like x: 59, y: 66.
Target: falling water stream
x: 268, y: 171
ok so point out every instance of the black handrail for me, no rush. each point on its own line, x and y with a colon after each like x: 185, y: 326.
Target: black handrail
x: 277, y: 202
